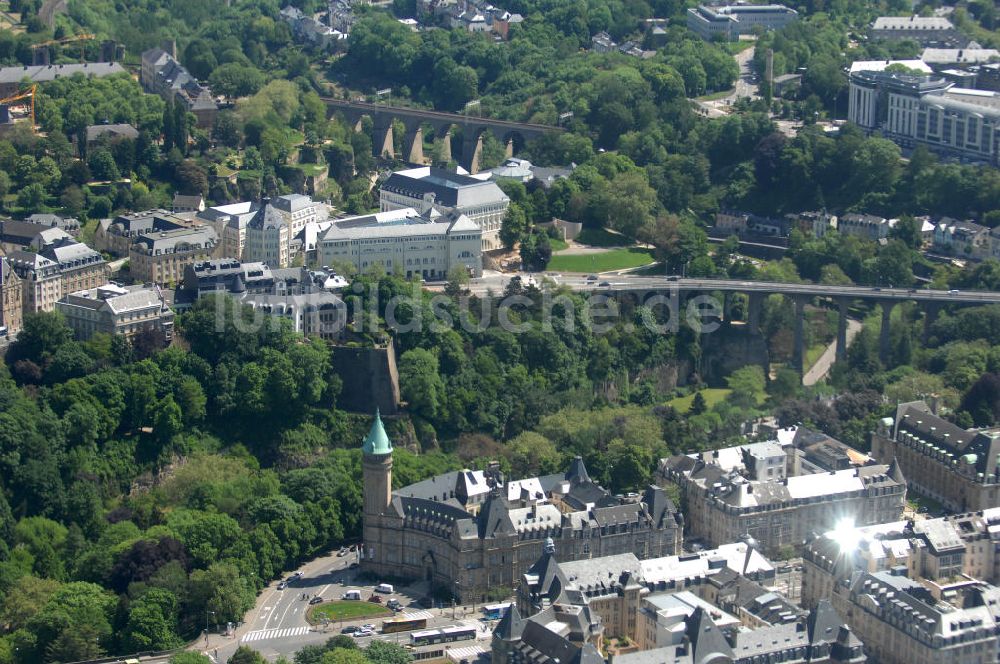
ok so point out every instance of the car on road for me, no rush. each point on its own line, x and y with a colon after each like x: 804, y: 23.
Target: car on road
x: 350, y: 629
x: 953, y: 291
x: 352, y: 595
x: 368, y: 627
x: 353, y: 566
x: 394, y: 604
x: 605, y: 284
x: 282, y: 585
x: 342, y: 553
x: 591, y: 277
x: 316, y: 600
x: 361, y: 633
x: 425, y: 603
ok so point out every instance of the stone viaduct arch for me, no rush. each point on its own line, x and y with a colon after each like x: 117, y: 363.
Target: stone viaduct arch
x: 513, y: 135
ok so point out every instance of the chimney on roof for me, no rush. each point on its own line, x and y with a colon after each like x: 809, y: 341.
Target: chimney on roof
x: 932, y: 403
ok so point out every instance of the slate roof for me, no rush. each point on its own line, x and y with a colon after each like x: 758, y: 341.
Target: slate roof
x: 180, y: 239
x: 267, y: 217
x: 449, y: 189
x: 45, y: 73
x: 122, y: 130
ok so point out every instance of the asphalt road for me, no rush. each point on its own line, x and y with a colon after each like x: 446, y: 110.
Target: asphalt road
x: 277, y: 624
x: 822, y: 366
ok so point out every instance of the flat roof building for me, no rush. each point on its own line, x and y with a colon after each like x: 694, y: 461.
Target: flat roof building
x: 925, y: 30
x: 728, y: 22
x: 11, y: 77
x: 911, y: 110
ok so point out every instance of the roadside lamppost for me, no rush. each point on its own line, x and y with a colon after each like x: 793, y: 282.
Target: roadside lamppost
x: 207, y: 614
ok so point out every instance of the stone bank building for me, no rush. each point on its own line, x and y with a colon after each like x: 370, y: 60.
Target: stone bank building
x: 473, y: 531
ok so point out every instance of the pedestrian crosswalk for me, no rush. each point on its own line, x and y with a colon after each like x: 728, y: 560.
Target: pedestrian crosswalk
x: 415, y: 615
x: 469, y: 653
x: 262, y: 634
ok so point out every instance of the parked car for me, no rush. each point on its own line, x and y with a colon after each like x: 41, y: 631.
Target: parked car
x: 316, y: 600
x: 425, y: 603
x: 352, y: 595
x: 353, y: 566
x: 361, y: 633
x: 342, y: 553
x: 368, y: 627
x: 384, y: 588
x: 375, y: 599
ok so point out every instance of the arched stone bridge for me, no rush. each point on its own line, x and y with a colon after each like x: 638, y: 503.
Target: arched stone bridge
x: 512, y: 134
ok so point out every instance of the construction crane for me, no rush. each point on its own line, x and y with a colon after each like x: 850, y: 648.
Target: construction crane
x: 83, y: 37
x: 21, y: 96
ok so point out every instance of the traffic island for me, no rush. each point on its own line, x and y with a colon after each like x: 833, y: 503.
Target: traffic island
x: 341, y: 610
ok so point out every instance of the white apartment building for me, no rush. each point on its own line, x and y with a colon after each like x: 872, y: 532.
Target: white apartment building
x: 41, y: 280
x: 297, y: 210
x: 406, y: 242
x: 925, y: 30
x: 959, y: 123
x: 230, y: 224
x: 728, y: 22
x: 267, y: 237
x: 482, y: 201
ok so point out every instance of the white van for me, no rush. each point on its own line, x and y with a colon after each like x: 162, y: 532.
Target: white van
x: 352, y: 594
x: 384, y: 588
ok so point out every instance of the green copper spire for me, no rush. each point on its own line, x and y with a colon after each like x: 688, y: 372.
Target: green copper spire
x: 377, y: 442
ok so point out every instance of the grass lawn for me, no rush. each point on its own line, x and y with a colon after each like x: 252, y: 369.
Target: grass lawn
x: 557, y: 244
x: 599, y: 237
x: 739, y: 46
x: 712, y: 395
x: 614, y: 259
x: 813, y: 353
x: 346, y: 610
x: 313, y: 169
x: 714, y: 96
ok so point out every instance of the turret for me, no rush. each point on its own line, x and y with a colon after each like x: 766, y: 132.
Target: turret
x: 377, y: 464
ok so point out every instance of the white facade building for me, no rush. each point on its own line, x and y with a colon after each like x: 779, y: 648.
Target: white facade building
x: 482, y: 201
x: 728, y: 22
x: 955, y: 122
x: 925, y: 30
x: 297, y: 209
x: 406, y: 242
